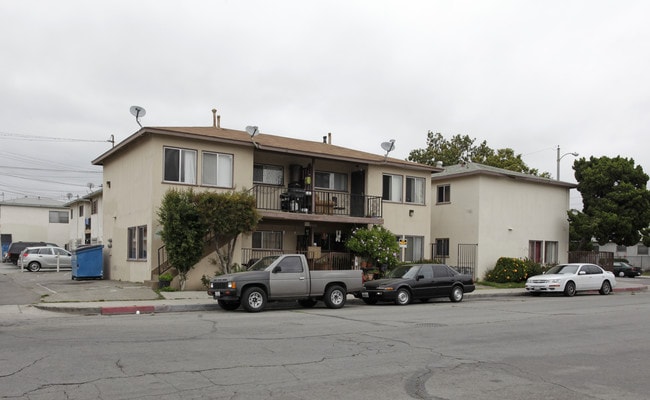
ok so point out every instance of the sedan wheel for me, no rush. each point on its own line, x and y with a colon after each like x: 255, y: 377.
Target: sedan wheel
x: 34, y: 266
x: 621, y: 274
x: 606, y: 288
x: 570, y: 289
x: 403, y: 297
x: 456, y: 294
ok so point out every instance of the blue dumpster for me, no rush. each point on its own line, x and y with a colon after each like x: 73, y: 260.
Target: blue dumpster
x: 88, y: 262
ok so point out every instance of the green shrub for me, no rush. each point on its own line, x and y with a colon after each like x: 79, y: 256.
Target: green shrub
x: 513, y: 270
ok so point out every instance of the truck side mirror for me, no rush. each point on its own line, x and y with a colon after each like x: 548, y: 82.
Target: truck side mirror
x: 419, y: 277
x: 277, y: 269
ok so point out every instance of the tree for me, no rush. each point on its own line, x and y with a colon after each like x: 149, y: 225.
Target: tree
x: 183, y: 230
x: 462, y: 149
x: 377, y: 244
x: 227, y: 215
x: 616, y: 202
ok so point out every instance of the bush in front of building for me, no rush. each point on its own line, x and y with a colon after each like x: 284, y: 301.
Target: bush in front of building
x: 509, y: 269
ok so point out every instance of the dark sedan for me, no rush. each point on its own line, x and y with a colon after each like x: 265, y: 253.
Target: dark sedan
x: 418, y: 281
x: 624, y: 269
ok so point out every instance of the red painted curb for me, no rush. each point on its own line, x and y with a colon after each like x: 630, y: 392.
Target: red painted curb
x: 127, y: 310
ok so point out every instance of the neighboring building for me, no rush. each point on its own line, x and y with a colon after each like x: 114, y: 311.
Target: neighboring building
x: 33, y: 220
x: 310, y: 194
x: 481, y: 213
x: 85, y: 220
x: 636, y: 255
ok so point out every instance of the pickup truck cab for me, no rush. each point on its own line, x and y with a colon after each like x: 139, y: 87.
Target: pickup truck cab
x: 285, y: 277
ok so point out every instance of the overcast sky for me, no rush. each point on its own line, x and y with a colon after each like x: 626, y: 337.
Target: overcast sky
x: 528, y: 75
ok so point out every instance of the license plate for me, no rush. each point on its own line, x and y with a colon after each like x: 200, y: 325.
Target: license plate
x: 217, y: 294
x: 364, y: 294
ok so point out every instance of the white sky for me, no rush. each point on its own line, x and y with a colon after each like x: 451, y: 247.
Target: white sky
x: 529, y: 75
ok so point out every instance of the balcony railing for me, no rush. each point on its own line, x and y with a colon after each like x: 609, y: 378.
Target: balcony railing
x: 316, y: 201
x: 328, y: 260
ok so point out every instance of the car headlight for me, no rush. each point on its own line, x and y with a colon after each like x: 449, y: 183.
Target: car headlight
x: 556, y: 280
x: 385, y: 288
x: 232, y: 285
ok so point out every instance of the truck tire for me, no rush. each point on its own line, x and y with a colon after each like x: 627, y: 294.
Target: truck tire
x: 228, y: 305
x: 254, y: 299
x: 335, y: 296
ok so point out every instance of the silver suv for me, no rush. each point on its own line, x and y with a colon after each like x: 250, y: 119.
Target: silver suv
x: 35, y: 258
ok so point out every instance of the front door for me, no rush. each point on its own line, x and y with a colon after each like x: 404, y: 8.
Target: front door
x: 357, y: 193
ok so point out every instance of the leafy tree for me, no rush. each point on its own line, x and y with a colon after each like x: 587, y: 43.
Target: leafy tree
x: 462, y: 149
x: 616, y: 202
x: 377, y: 244
x: 183, y: 230
x: 227, y: 215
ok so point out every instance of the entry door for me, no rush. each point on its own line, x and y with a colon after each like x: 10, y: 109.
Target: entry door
x: 357, y: 194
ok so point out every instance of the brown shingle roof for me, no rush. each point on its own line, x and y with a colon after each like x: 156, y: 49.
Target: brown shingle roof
x: 267, y: 142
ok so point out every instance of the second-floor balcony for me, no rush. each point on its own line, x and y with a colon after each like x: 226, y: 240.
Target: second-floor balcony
x: 316, y: 202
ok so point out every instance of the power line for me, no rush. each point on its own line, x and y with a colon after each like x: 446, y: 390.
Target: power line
x: 20, y: 136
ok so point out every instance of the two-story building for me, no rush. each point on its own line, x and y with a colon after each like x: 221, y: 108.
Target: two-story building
x: 85, y: 220
x: 481, y: 213
x: 310, y: 194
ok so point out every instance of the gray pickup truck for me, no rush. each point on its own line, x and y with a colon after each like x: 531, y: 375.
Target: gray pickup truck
x: 284, y: 278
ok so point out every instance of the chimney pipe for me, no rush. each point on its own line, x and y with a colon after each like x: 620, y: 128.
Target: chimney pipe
x: 329, y: 138
x: 214, y: 117
x: 218, y: 121
x: 324, y: 139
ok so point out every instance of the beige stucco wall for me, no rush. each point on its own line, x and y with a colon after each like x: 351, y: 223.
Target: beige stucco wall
x: 501, y: 215
x: 32, y: 224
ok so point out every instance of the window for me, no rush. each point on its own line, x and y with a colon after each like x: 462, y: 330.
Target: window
x: 415, y: 189
x: 93, y: 206
x: 426, y: 272
x: 137, y: 243
x: 414, y: 250
x: 72, y: 213
x: 268, y: 174
x: 641, y: 249
x: 535, y: 250
x: 217, y: 169
x: 391, y: 188
x: 180, y: 165
x: 444, y: 194
x: 291, y: 265
x: 621, y: 249
x: 267, y: 240
x: 59, y: 217
x: 442, y: 247
x: 441, y: 271
x: 550, y: 252
x: 81, y: 210
x: 332, y: 181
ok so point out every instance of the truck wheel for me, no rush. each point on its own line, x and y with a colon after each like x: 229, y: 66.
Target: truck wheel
x: 254, y: 299
x: 335, y: 296
x: 228, y: 305
x: 307, y: 303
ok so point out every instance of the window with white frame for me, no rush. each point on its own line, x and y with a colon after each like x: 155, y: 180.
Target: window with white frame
x: 179, y: 165
x: 535, y: 250
x: 217, y: 169
x: 550, y: 252
x: 442, y: 247
x: 331, y: 181
x: 59, y: 217
x: 415, y: 189
x: 392, y: 188
x: 137, y: 242
x: 269, y: 240
x: 414, y: 250
x: 444, y: 194
x: 268, y: 174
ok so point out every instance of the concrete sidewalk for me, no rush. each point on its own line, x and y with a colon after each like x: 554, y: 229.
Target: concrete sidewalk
x: 59, y: 293
x: 200, y: 301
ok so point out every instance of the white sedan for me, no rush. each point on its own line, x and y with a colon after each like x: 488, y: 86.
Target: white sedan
x: 572, y: 278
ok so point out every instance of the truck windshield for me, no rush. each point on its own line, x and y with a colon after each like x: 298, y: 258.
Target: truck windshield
x: 262, y: 263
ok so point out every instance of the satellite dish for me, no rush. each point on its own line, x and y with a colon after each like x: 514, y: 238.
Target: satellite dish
x: 252, y: 130
x: 138, y: 112
x: 388, y: 147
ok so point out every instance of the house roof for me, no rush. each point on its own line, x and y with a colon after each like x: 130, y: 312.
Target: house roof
x: 86, y: 198
x: 33, y: 202
x: 266, y: 142
x: 472, y: 169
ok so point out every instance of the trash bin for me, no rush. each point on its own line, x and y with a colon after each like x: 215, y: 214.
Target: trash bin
x: 88, y: 262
